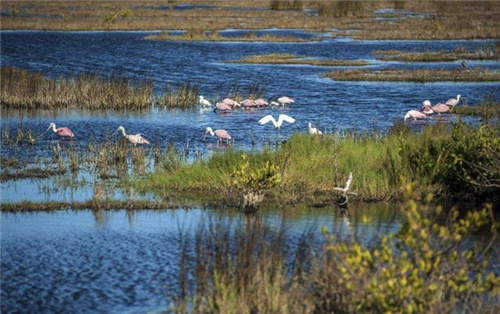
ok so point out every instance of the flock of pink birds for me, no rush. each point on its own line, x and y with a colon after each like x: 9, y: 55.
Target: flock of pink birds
x: 428, y: 109
x: 230, y: 104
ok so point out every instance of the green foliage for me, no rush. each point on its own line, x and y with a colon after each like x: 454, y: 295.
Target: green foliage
x: 286, y: 5
x: 260, y: 179
x: 428, y: 266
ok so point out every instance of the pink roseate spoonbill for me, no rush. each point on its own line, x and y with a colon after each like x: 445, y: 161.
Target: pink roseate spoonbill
x: 134, y: 139
x: 221, y: 134
x: 222, y: 107
x: 441, y: 108
x: 427, y: 107
x: 231, y: 102
x: 285, y: 100
x: 277, y: 124
x: 452, y: 102
x: 261, y: 102
x: 314, y: 131
x: 62, y: 132
x: 204, y: 103
x: 414, y: 114
x: 248, y: 103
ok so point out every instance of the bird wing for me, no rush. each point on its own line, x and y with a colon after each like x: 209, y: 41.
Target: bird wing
x: 267, y: 118
x: 284, y: 117
x: 348, y: 183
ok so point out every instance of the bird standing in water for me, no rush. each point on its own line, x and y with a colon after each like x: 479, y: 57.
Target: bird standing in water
x: 62, y: 132
x: 134, y: 139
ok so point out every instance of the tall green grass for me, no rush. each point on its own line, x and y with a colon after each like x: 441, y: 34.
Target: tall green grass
x: 443, y: 161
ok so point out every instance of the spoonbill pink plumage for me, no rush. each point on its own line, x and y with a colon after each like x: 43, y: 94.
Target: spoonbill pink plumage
x: 261, y: 102
x: 231, y: 102
x: 284, y: 100
x: 221, y: 106
x: 248, y: 103
x: 452, y: 102
x: 277, y: 124
x: 441, y: 108
x: 62, y: 132
x: 414, y: 114
x: 221, y: 134
x: 134, y: 139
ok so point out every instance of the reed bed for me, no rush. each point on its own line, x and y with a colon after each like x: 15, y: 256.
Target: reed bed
x: 213, y: 35
x: 94, y: 204
x: 285, y: 58
x: 420, y: 75
x: 486, y: 110
x: 22, y: 89
x: 428, y: 266
x: 381, y: 166
x: 490, y: 51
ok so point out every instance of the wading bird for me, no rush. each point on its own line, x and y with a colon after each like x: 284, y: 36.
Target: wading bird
x: 222, y: 107
x: 277, y: 124
x: 427, y: 107
x: 285, y: 100
x: 441, y: 108
x: 452, y: 102
x: 314, y: 131
x: 273, y: 103
x: 62, y: 132
x: 248, y: 103
x: 231, y: 102
x: 221, y: 134
x: 414, y: 114
x: 261, y: 102
x: 134, y: 139
x: 204, y: 102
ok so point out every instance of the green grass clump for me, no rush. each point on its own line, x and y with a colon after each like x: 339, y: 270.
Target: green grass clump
x: 445, y: 162
x: 487, y: 110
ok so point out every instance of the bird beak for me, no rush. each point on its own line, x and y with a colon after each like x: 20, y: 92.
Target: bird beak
x: 205, y: 137
x: 114, y: 132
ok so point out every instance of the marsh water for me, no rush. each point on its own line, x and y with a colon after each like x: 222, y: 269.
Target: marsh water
x: 127, y: 261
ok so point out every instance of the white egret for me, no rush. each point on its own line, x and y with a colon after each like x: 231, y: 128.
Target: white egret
x: 277, y: 124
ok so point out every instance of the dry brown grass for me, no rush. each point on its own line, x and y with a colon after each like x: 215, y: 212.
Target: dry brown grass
x: 446, y: 19
x: 490, y: 51
x: 422, y: 76
x: 285, y: 58
x: 202, y: 35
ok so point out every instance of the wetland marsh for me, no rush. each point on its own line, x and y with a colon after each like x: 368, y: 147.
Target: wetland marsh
x: 96, y: 224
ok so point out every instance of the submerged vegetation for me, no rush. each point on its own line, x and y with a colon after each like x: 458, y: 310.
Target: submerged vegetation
x: 490, y: 51
x: 22, y: 89
x: 285, y: 58
x: 463, y: 163
x: 426, y: 266
x: 420, y: 75
x: 213, y: 35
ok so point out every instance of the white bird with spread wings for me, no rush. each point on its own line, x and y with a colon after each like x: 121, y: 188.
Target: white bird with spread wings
x: 277, y: 124
x: 345, y: 190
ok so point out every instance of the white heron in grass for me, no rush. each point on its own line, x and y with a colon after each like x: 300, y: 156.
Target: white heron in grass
x: 204, y: 102
x: 314, y: 131
x: 277, y: 124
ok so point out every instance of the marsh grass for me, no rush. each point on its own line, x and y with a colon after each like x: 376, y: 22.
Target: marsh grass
x: 285, y: 58
x: 381, y: 166
x: 429, y: 265
x: 490, y: 51
x: 286, y: 5
x: 486, y: 110
x: 22, y: 89
x: 213, y: 35
x: 420, y: 75
x: 91, y: 204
